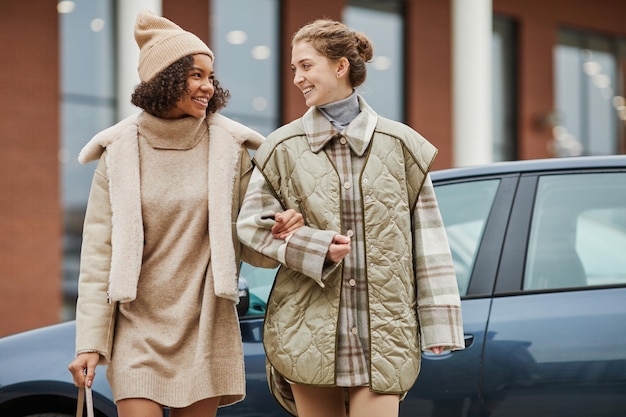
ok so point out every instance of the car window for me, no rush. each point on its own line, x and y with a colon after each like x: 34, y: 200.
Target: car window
x: 259, y: 281
x: 578, y: 232
x: 465, y: 208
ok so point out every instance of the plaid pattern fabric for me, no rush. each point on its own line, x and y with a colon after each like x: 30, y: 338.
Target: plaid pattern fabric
x: 353, y: 332
x: 346, y: 151
x: 304, y: 251
x: 437, y: 292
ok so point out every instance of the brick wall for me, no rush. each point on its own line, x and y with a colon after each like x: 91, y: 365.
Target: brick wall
x: 30, y: 208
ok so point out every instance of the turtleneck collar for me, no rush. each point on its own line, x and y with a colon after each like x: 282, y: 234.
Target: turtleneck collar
x: 341, y: 113
x: 176, y: 134
x: 358, y: 133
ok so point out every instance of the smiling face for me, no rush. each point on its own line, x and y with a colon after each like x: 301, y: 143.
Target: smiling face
x: 200, y: 89
x: 320, y: 79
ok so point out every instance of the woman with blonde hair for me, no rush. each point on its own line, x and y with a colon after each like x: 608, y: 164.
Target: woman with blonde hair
x: 368, y: 283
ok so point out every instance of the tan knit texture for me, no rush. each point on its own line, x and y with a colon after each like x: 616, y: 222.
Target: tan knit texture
x: 161, y: 43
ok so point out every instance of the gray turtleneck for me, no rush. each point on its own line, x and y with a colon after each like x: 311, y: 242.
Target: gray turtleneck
x: 342, y: 112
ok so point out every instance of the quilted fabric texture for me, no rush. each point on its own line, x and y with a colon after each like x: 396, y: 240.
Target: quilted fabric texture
x: 300, y: 329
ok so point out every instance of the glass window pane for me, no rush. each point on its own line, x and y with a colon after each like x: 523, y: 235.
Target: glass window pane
x: 619, y: 101
x: 87, y: 63
x: 383, y: 88
x: 87, y: 106
x: 586, y: 89
x: 465, y: 227
x: 601, y: 241
x: 568, y: 80
x: 578, y: 232
x: 504, y: 96
x: 247, y: 60
x: 600, y: 90
x: 259, y: 281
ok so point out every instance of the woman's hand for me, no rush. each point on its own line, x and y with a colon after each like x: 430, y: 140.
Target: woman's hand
x: 287, y: 222
x: 83, y: 368
x: 437, y: 350
x: 339, y: 248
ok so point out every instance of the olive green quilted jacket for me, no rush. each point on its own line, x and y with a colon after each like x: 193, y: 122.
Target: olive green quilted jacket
x: 412, y: 290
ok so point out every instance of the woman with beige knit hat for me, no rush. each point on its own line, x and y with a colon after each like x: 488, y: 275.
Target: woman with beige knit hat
x: 159, y: 263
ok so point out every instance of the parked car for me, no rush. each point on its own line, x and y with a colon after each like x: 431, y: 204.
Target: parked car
x: 540, y: 254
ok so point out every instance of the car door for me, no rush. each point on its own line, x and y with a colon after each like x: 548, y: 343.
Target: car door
x: 556, y: 339
x: 475, y: 212
x: 259, y: 401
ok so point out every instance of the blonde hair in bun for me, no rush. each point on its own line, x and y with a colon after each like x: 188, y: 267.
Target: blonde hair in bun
x: 335, y: 40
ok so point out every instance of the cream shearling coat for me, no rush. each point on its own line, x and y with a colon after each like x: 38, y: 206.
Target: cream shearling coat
x: 227, y: 139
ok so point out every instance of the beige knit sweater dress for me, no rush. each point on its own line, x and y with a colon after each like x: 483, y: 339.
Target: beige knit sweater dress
x: 175, y: 343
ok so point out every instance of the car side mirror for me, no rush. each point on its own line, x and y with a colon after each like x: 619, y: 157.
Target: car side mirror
x: 244, y: 297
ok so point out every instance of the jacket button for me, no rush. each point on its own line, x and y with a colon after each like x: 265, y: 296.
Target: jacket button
x: 347, y: 185
x: 352, y: 282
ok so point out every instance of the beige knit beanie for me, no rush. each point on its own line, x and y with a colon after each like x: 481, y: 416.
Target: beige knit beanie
x: 162, y: 42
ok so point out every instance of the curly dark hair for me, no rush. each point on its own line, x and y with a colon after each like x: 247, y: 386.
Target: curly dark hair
x: 160, y: 95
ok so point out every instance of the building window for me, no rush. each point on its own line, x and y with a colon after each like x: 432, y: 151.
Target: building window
x: 87, y: 106
x: 382, y: 23
x: 589, y: 94
x: 247, y: 60
x: 504, y: 93
x: 619, y: 98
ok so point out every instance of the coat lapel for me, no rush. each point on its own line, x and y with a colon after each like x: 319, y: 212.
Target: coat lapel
x: 122, y: 162
x: 226, y: 139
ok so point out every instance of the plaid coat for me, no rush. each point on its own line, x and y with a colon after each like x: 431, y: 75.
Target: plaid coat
x: 411, y: 288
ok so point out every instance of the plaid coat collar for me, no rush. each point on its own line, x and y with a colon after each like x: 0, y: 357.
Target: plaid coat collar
x: 319, y: 131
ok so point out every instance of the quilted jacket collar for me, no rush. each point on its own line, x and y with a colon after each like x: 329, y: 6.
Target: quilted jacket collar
x: 358, y: 133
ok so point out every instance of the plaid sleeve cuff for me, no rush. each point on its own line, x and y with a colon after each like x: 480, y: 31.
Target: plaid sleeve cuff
x: 441, y: 326
x: 306, y: 252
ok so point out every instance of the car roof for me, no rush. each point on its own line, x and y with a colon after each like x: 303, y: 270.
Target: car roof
x: 533, y: 165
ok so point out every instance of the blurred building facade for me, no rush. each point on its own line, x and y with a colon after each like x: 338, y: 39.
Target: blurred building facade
x: 484, y: 80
